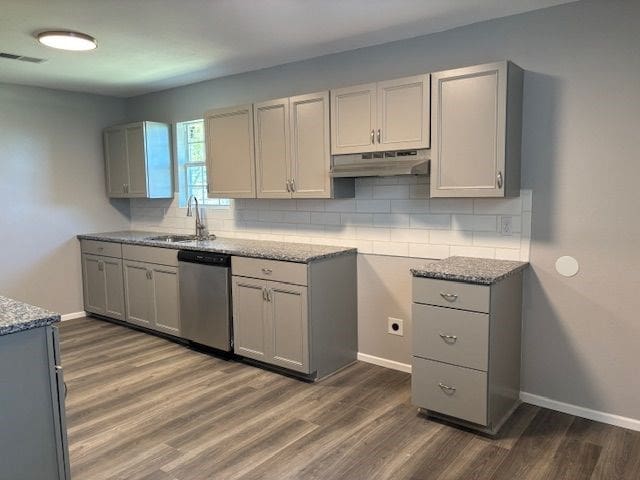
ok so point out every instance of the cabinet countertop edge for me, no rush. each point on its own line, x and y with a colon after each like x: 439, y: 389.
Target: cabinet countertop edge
x: 16, y: 316
x: 478, y: 271
x: 265, y: 249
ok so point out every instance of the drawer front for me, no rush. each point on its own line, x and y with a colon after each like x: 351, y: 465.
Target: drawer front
x: 287, y: 272
x: 451, y: 294
x: 466, y: 397
x: 161, y: 256
x: 106, y: 249
x: 451, y: 336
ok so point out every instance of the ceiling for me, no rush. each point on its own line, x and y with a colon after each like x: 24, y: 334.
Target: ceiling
x: 150, y: 45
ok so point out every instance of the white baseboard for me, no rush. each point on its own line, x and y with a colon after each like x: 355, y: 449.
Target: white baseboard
x: 598, y: 416
x: 71, y: 316
x: 383, y: 362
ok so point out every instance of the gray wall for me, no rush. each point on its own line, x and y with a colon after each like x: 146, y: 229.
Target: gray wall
x: 52, y: 188
x: 581, y: 335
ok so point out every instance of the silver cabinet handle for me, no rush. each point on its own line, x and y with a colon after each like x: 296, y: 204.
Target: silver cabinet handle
x: 447, y: 389
x: 450, y: 339
x: 149, y: 274
x: 293, y: 184
x: 499, y: 178
x: 100, y: 266
x: 373, y: 136
x: 288, y: 185
x: 449, y: 297
x: 379, y: 135
x: 124, y: 188
x: 264, y: 294
x: 267, y: 271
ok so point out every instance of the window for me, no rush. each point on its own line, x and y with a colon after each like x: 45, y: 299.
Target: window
x: 192, y: 166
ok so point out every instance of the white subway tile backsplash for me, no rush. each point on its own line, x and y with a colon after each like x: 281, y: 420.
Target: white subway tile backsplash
x: 390, y: 192
x: 450, y: 237
x: 391, y: 219
x: 373, y: 233
x: 429, y: 251
x: 451, y: 205
x: 389, y: 216
x: 356, y: 218
x: 373, y: 206
x: 410, y: 206
x: 431, y: 222
x: 482, y: 252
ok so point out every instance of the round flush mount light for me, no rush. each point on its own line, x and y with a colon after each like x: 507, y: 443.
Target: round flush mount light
x: 67, y: 40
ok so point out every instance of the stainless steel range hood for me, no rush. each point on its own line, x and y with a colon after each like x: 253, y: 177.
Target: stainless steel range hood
x: 381, y: 164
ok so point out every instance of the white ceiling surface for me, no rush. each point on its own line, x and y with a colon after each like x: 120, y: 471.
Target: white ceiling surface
x: 150, y: 45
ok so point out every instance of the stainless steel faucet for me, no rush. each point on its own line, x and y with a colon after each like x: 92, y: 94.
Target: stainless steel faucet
x: 201, y: 228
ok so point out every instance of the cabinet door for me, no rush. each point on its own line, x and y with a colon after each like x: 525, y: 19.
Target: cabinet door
x: 353, y: 119
x: 288, y: 319
x: 138, y: 293
x: 271, y: 121
x: 468, y: 122
x: 165, y: 303
x: 310, y: 146
x: 403, y: 113
x: 114, y: 288
x: 115, y: 154
x: 93, y: 282
x: 230, y: 154
x: 250, y: 332
x: 136, y: 158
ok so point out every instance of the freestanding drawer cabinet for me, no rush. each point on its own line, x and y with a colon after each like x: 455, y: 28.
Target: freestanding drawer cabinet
x: 466, y: 350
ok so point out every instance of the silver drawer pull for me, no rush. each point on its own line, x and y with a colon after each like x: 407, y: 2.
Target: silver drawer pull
x: 267, y: 271
x: 450, y: 339
x: 449, y: 297
x: 447, y: 389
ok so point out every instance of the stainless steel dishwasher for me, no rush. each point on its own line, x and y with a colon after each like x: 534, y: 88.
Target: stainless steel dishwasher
x: 205, y: 298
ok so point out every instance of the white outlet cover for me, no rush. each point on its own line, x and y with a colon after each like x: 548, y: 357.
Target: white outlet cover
x: 390, y: 322
x: 567, y: 266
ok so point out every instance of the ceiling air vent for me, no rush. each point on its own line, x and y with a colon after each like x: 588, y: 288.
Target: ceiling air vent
x: 22, y: 58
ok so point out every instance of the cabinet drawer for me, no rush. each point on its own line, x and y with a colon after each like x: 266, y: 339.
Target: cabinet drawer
x: 287, y: 272
x: 451, y: 336
x: 106, y: 249
x: 161, y: 256
x: 465, y: 399
x: 451, y: 294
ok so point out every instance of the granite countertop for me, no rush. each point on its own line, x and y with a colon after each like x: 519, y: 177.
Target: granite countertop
x: 16, y: 316
x: 481, y: 271
x: 289, y: 252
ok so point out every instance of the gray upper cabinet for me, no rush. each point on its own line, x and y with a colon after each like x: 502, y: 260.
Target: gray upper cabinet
x: 273, y: 158
x: 477, y: 128
x: 383, y: 116
x: 138, y: 160
x: 292, y: 142
x: 230, y: 152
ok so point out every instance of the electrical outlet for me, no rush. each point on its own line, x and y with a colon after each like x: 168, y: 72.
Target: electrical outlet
x: 506, y: 225
x: 394, y: 326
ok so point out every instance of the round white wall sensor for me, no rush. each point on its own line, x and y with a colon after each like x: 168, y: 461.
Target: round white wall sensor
x: 567, y: 266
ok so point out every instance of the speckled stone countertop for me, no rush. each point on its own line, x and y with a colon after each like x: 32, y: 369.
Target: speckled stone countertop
x: 288, y: 252
x: 481, y: 271
x: 16, y: 316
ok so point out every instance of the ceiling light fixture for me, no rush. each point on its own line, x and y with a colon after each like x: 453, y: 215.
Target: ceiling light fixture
x: 67, y: 40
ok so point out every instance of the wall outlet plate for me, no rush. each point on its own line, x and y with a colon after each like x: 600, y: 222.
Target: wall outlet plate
x: 395, y: 327
x: 506, y: 225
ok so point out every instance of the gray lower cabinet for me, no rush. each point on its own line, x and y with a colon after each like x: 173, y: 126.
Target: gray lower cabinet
x: 102, y: 285
x: 296, y: 316
x: 466, y: 350
x: 33, y: 434
x: 271, y: 322
x: 152, y: 296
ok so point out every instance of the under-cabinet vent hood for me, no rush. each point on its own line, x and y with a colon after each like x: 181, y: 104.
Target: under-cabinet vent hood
x: 381, y: 164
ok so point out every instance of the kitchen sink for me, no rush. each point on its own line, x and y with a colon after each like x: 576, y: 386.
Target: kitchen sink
x: 174, y: 238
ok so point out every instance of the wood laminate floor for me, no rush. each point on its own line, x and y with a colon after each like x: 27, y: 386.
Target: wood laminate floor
x: 141, y: 407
